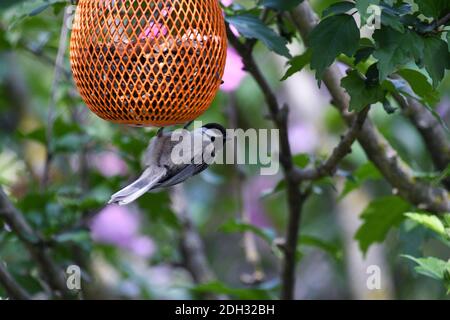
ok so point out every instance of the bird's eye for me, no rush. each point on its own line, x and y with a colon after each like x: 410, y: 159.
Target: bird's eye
x: 213, y: 139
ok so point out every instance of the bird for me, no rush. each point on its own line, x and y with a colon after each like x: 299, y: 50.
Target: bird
x: 161, y: 171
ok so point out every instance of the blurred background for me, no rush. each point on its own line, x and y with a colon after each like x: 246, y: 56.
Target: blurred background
x: 136, y: 251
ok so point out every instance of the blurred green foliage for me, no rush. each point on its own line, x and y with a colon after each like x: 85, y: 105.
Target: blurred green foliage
x: 405, y: 45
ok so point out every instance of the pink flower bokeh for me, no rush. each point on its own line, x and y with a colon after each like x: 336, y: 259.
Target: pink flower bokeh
x: 303, y: 138
x: 234, y: 68
x: 234, y: 72
x: 109, y: 164
x: 119, y: 226
x: 156, y: 30
x: 253, y: 204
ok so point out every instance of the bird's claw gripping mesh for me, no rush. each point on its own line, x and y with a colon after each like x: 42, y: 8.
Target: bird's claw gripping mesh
x: 144, y: 62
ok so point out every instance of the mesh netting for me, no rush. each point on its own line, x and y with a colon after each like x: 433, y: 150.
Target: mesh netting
x: 145, y: 62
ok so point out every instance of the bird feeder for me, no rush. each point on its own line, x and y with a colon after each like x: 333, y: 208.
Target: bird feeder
x: 148, y: 62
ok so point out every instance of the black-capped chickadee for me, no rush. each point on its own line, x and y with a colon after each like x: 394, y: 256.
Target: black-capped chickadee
x: 173, y: 157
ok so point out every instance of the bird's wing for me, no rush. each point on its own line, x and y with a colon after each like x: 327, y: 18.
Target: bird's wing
x: 182, y: 175
x: 149, y: 178
x: 196, y: 164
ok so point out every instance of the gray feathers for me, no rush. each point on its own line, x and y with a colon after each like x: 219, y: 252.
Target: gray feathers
x: 146, y: 182
x: 162, y: 171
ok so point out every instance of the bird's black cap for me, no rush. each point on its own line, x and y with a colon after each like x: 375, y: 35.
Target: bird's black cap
x: 216, y: 126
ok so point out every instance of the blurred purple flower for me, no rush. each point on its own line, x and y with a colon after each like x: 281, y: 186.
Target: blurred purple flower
x: 443, y: 108
x: 234, y: 72
x: 119, y: 226
x: 109, y: 164
x: 303, y: 138
x: 143, y: 246
x: 254, y: 189
x: 115, y: 225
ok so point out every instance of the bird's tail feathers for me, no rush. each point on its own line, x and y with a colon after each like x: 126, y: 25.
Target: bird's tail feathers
x: 143, y: 184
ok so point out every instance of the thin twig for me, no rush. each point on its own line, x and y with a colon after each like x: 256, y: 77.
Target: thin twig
x: 433, y: 133
x: 376, y: 147
x: 59, y: 71
x: 39, y: 53
x: 13, y: 289
x: 329, y: 167
x: 35, y: 245
x: 443, y: 21
x: 295, y: 197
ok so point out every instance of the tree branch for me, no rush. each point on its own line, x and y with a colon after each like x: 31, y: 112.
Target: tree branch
x: 443, y: 21
x: 376, y: 147
x: 193, y: 253
x: 34, y: 244
x: 13, y: 289
x: 191, y: 245
x: 296, y: 198
x: 433, y: 133
x: 329, y: 167
x: 39, y: 53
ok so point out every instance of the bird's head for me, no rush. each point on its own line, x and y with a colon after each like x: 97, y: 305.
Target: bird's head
x: 215, y: 131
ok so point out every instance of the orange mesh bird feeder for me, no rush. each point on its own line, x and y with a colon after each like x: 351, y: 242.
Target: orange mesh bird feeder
x: 148, y: 62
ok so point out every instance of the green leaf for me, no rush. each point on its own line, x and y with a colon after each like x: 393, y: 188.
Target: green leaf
x: 390, y: 20
x: 333, y: 36
x: 266, y: 234
x: 428, y: 221
x: 71, y: 142
x: 77, y: 236
x: 395, y: 49
x: 378, y: 218
x: 338, y: 7
x: 443, y: 175
x: 399, y: 86
x: 433, y: 8
x: 130, y: 144
x: 447, y: 219
x: 297, y: 64
x: 430, y: 267
x: 436, y: 58
x: 361, y: 95
x: 252, y: 27
x: 420, y: 85
x: 301, y: 160
x: 157, y: 207
x: 363, y: 6
x: 396, y: 16
x: 95, y: 200
x: 4, y: 45
x: 330, y: 248
x: 281, y: 5
x: 4, y: 4
x: 363, y: 54
x: 234, y: 226
x: 365, y: 172
x: 37, y: 135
